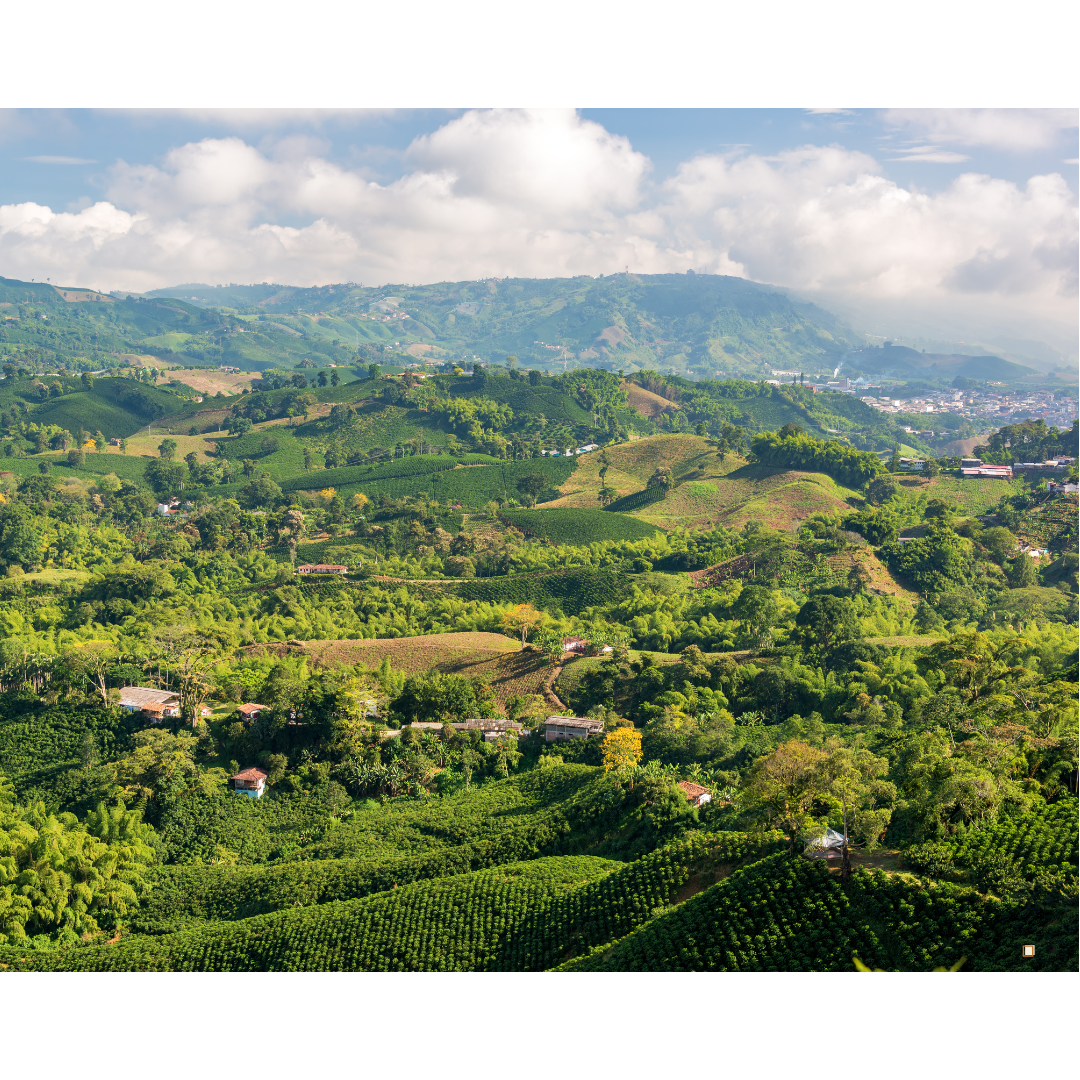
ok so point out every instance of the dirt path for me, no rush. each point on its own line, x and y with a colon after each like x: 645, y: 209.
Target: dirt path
x: 550, y: 697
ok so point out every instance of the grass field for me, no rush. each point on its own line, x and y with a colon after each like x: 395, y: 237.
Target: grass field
x: 55, y: 577
x: 970, y: 496
x: 776, y: 498
x: 631, y: 464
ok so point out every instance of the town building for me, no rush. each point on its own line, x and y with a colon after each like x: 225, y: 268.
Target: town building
x: 571, y: 727
x: 999, y: 472
x: 250, y: 782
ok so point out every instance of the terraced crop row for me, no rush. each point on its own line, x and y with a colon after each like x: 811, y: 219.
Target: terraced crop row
x: 523, y: 916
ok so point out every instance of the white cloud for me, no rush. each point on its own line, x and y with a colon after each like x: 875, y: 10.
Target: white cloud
x: 546, y: 193
x: 58, y: 159
x: 999, y: 129
x: 257, y: 118
x: 931, y: 154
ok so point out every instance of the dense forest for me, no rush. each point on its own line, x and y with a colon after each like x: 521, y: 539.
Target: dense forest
x: 758, y: 611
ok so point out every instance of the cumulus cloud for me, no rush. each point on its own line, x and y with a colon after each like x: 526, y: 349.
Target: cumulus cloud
x: 547, y: 193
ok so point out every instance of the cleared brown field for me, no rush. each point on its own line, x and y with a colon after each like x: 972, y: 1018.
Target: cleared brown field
x: 498, y: 660
x: 646, y: 402
x: 210, y: 382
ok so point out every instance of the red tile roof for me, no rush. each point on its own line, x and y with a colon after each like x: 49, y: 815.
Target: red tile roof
x: 252, y: 774
x: 693, y: 791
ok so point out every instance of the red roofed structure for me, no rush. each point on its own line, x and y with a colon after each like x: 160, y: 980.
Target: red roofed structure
x: 697, y: 795
x: 249, y: 782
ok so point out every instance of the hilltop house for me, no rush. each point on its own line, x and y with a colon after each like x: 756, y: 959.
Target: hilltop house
x: 572, y: 727
x: 697, y: 795
x: 250, y: 782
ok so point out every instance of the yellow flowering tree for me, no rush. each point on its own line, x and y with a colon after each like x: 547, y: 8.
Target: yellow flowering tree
x: 621, y: 749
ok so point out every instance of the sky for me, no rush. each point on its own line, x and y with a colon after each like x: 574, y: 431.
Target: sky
x: 949, y: 223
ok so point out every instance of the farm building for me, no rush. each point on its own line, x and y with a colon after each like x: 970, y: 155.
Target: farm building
x: 250, y: 782
x: 492, y: 728
x: 157, y: 704
x: 697, y: 795
x: 147, y: 699
x: 322, y: 568
x: 572, y: 727
x: 250, y: 711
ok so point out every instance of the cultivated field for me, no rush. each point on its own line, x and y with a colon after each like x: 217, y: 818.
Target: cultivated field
x: 498, y: 660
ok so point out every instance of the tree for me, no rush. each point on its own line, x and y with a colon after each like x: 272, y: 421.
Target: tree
x: 532, y: 486
x: 167, y: 449
x: 826, y: 621
x: 784, y: 788
x: 881, y: 489
x: 188, y: 653
x: 790, y: 431
x: 858, y: 578
x: 1021, y: 572
x: 757, y: 609
x: 93, y: 662
x: 260, y: 494
x: 863, y: 799
x: 506, y: 752
x: 660, y: 479
x: 163, y: 475
x: 76, y: 459
x: 937, y: 510
x: 20, y: 542
x: 158, y: 756
x: 359, y: 502
x: 522, y: 618
x: 621, y: 750
x: 373, y: 371
x: 930, y: 468
x: 335, y: 378
x: 606, y: 495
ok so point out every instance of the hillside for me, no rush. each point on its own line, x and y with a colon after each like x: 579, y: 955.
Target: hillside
x: 900, y: 362
x: 770, y: 618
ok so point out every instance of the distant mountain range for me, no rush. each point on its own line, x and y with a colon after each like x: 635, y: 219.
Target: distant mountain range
x: 709, y: 324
